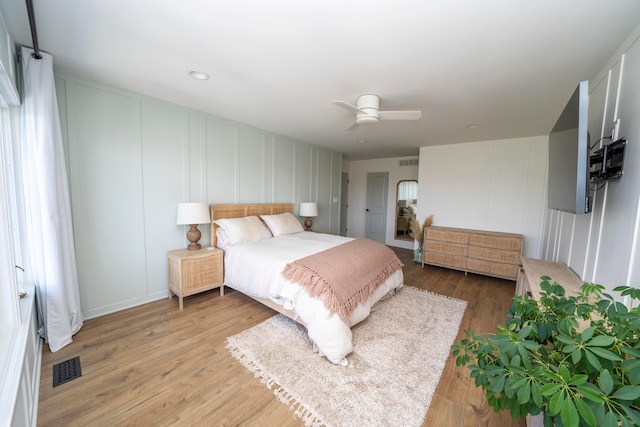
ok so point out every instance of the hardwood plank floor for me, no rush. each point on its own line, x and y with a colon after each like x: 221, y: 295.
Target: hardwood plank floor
x: 156, y: 365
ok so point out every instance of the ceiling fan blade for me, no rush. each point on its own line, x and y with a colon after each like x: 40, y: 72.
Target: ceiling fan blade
x: 348, y: 106
x: 352, y: 126
x: 400, y: 115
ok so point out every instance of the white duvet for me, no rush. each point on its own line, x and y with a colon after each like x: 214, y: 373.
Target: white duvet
x: 254, y: 269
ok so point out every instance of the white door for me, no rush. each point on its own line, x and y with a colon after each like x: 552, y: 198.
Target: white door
x: 344, y: 194
x: 375, y: 221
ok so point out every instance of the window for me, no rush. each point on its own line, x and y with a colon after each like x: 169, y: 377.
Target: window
x: 9, y: 230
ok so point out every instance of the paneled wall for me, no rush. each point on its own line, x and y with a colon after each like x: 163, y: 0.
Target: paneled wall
x: 132, y: 159
x: 603, y: 246
x: 491, y: 185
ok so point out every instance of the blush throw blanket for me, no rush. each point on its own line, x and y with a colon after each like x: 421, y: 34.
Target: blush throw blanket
x: 345, y: 275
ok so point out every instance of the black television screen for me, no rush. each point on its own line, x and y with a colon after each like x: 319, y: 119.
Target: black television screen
x: 568, y: 185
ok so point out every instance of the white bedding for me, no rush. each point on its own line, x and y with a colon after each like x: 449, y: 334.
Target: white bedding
x: 254, y: 269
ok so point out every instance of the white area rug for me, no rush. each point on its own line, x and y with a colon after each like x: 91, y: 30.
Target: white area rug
x: 400, y: 352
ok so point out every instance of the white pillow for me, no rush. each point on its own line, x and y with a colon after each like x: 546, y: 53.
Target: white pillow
x: 243, y: 230
x: 222, y: 240
x: 284, y: 223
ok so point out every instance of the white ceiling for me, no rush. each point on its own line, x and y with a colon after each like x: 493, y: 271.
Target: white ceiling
x: 507, y: 66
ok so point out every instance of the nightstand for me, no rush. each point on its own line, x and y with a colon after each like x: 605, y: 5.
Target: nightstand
x: 191, y: 272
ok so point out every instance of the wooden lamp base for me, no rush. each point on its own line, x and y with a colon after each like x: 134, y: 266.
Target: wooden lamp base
x: 193, y: 235
x: 308, y: 223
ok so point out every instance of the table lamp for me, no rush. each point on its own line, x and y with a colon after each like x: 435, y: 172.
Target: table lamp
x: 309, y: 210
x: 192, y: 214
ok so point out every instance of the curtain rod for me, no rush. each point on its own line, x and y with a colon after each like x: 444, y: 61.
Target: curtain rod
x: 34, y: 35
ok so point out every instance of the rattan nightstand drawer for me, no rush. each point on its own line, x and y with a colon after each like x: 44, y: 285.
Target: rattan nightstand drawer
x: 191, y: 272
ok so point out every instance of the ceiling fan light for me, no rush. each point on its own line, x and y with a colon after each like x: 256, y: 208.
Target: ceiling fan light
x: 199, y: 75
x: 367, y: 120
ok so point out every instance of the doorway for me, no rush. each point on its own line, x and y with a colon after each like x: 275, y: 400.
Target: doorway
x: 375, y: 221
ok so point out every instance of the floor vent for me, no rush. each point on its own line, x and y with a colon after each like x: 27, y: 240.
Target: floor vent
x: 66, y: 371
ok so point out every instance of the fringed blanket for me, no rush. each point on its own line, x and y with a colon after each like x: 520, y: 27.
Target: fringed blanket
x: 345, y: 275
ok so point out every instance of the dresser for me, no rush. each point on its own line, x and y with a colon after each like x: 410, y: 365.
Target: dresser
x: 490, y: 253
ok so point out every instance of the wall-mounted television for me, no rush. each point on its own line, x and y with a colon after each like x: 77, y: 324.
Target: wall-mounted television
x: 568, y: 184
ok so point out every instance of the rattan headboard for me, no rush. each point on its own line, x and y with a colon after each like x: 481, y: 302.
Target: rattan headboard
x: 240, y: 210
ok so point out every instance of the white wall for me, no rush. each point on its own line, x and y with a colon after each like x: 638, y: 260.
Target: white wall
x: 490, y: 185
x: 603, y: 246
x: 132, y: 159
x: 358, y: 171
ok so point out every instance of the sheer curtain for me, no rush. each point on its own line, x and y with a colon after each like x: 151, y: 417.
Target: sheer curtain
x: 49, y: 242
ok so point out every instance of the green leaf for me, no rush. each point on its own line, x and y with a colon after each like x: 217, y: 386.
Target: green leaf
x: 569, y: 414
x: 587, y: 334
x: 586, y: 413
x: 631, y: 352
x: 535, y: 394
x: 634, y: 376
x: 564, y: 372
x: 601, y: 341
x: 530, y: 345
x: 630, y: 392
x: 552, y: 376
x: 570, y: 348
x: 524, y: 394
x: 515, y: 361
x: 593, y: 360
x: 610, y: 420
x: 630, y: 364
x: 591, y: 394
x: 565, y: 340
x: 517, y: 382
x: 523, y: 351
x: 632, y: 415
x: 605, y: 354
x: 556, y: 402
x: 576, y: 356
x: 497, y: 385
x: 605, y: 380
x: 524, y: 332
x: 578, y: 379
x: 550, y: 389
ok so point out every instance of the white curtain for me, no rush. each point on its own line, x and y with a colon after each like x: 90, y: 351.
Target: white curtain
x: 49, y: 245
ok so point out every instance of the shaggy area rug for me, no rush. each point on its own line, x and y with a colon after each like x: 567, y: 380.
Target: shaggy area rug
x: 399, y: 353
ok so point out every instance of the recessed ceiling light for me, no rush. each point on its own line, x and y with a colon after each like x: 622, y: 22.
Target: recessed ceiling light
x: 199, y: 75
x: 473, y: 126
x: 361, y: 141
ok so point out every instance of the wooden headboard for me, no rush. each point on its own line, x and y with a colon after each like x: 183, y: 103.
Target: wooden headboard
x: 240, y: 210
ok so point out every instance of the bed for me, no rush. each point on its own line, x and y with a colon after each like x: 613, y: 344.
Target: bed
x: 266, y: 265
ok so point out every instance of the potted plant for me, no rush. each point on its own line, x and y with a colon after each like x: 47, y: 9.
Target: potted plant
x: 574, y: 360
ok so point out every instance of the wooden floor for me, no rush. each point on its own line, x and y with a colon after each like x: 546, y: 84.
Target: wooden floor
x: 155, y: 365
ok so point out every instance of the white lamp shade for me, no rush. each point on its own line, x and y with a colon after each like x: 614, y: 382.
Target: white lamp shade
x: 308, y: 209
x: 193, y: 213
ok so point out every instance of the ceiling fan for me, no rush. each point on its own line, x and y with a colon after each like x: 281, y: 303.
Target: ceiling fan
x: 368, y: 112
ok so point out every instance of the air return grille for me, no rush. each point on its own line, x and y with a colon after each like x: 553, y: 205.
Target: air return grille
x: 66, y: 371
x: 409, y: 162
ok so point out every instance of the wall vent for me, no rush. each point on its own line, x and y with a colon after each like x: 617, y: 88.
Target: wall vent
x: 409, y: 162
